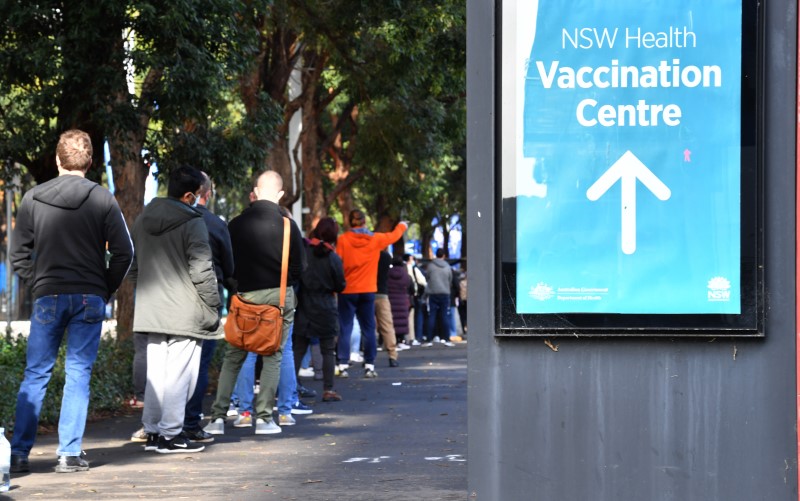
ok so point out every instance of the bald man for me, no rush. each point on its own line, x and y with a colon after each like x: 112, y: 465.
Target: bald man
x: 257, y: 241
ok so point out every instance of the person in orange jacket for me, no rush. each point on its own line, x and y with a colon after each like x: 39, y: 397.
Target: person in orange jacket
x: 360, y: 250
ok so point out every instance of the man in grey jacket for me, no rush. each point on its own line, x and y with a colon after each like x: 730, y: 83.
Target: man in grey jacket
x: 59, y: 249
x: 176, y: 305
x: 440, y: 276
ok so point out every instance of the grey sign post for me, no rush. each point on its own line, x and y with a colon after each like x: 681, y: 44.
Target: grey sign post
x: 577, y: 412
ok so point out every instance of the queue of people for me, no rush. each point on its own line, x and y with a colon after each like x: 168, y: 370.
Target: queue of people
x: 184, y: 255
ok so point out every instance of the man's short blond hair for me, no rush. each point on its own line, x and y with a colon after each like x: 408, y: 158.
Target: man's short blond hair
x: 74, y: 150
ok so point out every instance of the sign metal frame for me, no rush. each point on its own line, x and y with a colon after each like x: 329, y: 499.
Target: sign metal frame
x: 748, y: 323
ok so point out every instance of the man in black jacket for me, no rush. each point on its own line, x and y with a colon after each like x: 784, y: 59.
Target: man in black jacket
x: 64, y: 227
x: 257, y: 240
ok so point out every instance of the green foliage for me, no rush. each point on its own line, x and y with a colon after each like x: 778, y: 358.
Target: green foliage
x: 173, y: 77
x: 161, y: 76
x: 411, y: 132
x: 12, y: 359
x: 111, y: 379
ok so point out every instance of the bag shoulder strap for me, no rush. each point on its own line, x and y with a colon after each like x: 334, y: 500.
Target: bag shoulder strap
x: 284, y: 261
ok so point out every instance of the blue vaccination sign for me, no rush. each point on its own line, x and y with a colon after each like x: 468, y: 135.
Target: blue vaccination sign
x: 621, y: 130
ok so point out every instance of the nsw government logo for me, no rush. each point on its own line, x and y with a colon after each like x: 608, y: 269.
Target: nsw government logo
x: 719, y: 289
x: 541, y: 292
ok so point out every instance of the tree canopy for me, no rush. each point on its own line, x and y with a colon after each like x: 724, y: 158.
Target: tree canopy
x: 379, y: 86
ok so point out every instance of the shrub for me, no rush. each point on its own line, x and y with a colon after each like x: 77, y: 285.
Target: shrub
x: 111, y: 378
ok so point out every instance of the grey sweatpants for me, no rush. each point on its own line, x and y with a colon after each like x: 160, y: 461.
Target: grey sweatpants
x: 172, y: 366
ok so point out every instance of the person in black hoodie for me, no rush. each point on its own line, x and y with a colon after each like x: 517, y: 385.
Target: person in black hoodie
x: 317, y: 311
x: 65, y: 228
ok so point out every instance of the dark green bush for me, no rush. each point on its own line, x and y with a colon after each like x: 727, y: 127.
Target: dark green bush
x: 110, y: 385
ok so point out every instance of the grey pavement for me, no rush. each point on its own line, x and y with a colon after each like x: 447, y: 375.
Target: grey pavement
x: 402, y: 436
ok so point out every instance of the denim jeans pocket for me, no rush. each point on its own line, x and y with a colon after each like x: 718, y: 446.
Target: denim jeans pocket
x: 44, y: 309
x: 94, y: 309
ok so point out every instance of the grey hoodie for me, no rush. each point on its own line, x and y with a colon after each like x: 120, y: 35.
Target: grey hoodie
x: 173, y: 271
x: 62, y: 231
x: 439, y: 275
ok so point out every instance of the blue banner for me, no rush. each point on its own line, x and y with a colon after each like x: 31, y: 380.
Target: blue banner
x: 627, y: 169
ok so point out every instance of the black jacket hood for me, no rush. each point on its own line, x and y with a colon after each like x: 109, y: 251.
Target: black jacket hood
x: 64, y: 192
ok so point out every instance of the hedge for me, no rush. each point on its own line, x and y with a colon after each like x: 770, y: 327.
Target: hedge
x: 110, y: 386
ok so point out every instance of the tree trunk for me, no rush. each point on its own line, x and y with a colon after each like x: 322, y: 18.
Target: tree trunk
x: 345, y: 202
x: 130, y: 174
x: 278, y: 160
x: 313, y: 194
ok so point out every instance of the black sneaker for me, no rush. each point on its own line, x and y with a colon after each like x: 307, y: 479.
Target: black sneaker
x: 69, y: 464
x: 19, y: 464
x: 152, y: 442
x: 393, y: 363
x: 304, y: 392
x: 198, y: 435
x: 177, y: 445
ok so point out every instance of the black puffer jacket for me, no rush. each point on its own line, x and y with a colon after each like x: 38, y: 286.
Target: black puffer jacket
x: 398, y: 285
x: 317, y: 313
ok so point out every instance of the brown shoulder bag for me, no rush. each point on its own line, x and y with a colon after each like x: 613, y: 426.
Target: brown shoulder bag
x: 258, y: 328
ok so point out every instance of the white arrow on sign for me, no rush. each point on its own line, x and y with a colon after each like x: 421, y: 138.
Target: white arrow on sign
x: 628, y: 168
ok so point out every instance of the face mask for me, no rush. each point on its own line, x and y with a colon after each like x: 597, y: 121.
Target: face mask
x: 196, y: 200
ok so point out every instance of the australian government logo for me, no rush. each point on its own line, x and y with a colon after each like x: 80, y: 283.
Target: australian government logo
x: 541, y: 292
x: 719, y: 289
x: 544, y: 292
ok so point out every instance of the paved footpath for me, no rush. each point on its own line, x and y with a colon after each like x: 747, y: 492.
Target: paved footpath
x: 402, y: 436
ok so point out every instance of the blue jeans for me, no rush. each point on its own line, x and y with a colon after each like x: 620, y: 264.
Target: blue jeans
x: 355, y: 338
x: 194, y: 407
x: 361, y: 306
x: 81, y: 317
x: 287, y: 384
x: 419, y: 319
x: 453, y: 328
x: 306, y: 362
x: 439, y: 307
x: 243, y: 391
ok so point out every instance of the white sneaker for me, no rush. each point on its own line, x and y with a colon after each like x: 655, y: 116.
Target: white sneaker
x: 448, y: 343
x: 245, y: 420
x: 306, y: 372
x: 414, y: 342
x: 139, y: 435
x: 215, y: 427
x: 233, y: 410
x: 355, y: 357
x: 427, y: 345
x: 402, y: 346
x: 436, y: 339
x: 287, y: 420
x: 266, y: 427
